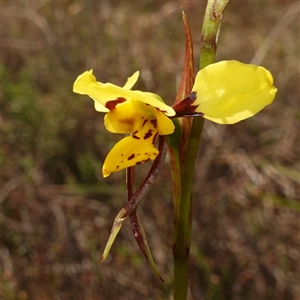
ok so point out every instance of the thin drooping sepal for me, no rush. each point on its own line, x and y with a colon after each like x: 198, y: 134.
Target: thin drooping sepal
x: 137, y: 229
x: 137, y: 196
x: 113, y: 233
x: 141, y: 239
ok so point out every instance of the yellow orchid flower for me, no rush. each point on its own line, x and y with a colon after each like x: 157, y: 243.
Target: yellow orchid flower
x: 225, y: 92
x: 142, y: 114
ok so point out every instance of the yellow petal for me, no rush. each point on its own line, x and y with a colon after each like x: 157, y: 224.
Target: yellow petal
x: 165, y: 125
x: 131, y: 116
x: 229, y: 91
x: 86, y: 84
x: 135, y: 149
x: 121, y: 119
x: 127, y: 153
x: 131, y: 80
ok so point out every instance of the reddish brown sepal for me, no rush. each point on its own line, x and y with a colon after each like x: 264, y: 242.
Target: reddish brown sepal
x: 187, y: 78
x: 186, y: 107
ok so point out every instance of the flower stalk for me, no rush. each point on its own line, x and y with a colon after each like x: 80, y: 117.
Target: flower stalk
x: 183, y: 196
x: 177, y: 149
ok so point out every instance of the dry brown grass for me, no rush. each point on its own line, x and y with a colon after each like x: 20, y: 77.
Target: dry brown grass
x: 57, y: 210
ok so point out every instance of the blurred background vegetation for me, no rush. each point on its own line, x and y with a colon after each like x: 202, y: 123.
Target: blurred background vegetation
x: 57, y: 210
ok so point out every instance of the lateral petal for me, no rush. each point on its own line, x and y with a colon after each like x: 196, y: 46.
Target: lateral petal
x: 229, y: 91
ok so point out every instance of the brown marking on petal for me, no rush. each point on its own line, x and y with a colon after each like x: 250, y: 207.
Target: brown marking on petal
x: 134, y: 135
x: 113, y: 103
x: 142, y: 161
x: 145, y: 121
x: 148, y: 134
x: 117, y: 167
x: 154, y: 123
x: 145, y: 160
x: 161, y: 110
x: 186, y: 107
x: 154, y: 138
x: 132, y: 156
x: 126, y: 121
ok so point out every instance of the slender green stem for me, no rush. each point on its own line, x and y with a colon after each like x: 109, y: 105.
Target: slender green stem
x: 182, y: 230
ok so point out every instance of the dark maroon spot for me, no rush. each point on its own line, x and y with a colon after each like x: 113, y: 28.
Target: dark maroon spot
x: 135, y: 137
x: 131, y: 157
x: 142, y: 161
x: 145, y: 160
x: 154, y: 123
x: 163, y: 111
x: 117, y: 167
x: 148, y: 134
x: 113, y: 103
